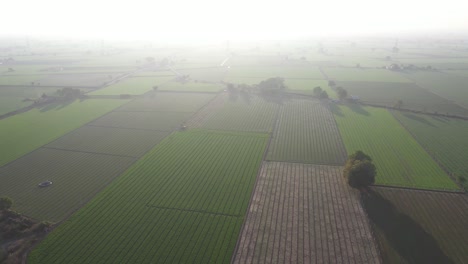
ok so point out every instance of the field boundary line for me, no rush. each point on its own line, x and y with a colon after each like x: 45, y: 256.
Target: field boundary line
x: 417, y: 189
x: 254, y: 189
x: 90, y: 152
x: 133, y: 128
x: 192, y: 211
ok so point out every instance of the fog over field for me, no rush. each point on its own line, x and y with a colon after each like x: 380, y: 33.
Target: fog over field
x: 234, y: 131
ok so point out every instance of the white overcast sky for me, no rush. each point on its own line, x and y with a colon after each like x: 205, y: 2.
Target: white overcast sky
x: 229, y: 19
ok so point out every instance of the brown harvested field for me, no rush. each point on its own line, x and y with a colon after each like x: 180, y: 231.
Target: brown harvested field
x: 415, y: 226
x: 303, y: 213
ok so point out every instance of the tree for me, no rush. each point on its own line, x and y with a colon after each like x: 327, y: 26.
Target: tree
x: 399, y: 104
x: 331, y: 83
x: 318, y: 91
x: 155, y: 88
x: 5, y: 203
x: 359, y: 170
x: 272, y: 85
x: 324, y: 95
x: 342, y: 93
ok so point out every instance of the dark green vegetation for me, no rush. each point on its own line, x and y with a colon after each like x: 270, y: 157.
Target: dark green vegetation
x: 419, y: 226
x: 306, y: 132
x: 76, y: 178
x: 183, y: 201
x: 399, y: 159
x: 14, y: 98
x: 443, y: 138
x: 17, y: 234
x: 359, y: 170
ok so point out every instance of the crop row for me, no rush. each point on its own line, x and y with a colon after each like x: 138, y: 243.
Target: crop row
x: 307, y: 132
x: 137, y: 220
x: 443, y: 138
x: 305, y: 214
x: 399, y: 159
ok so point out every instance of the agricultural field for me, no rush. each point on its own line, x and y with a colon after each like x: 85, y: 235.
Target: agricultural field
x: 209, y: 74
x: 419, y: 226
x: 399, y: 159
x: 445, y: 139
x: 105, y: 140
x: 191, y: 87
x: 25, y: 132
x: 244, y: 80
x: 76, y: 178
x: 287, y: 71
x: 184, y: 201
x: 364, y: 75
x: 77, y: 79
x: 157, y: 121
x: 412, y: 96
x: 306, y: 86
x: 244, y: 112
x: 19, y: 79
x: 305, y: 214
x: 133, y: 86
x: 172, y: 102
x: 446, y: 84
x: 306, y: 132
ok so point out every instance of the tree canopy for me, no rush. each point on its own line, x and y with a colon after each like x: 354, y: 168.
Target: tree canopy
x: 359, y: 170
x: 342, y: 93
x: 5, y: 203
x: 272, y: 85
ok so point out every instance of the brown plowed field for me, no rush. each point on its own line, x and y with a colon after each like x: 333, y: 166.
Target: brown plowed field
x: 305, y: 214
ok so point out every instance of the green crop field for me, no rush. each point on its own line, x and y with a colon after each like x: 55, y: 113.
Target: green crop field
x: 190, y: 87
x: 134, y: 86
x: 182, y: 202
x: 399, y: 159
x: 25, y: 132
x: 114, y: 141
x: 175, y: 102
x: 364, y: 75
x: 244, y: 80
x: 447, y: 84
x: 11, y: 103
x: 444, y: 139
x: 76, y: 178
x: 244, y: 112
x: 307, y: 133
x: 419, y: 226
x: 412, y: 96
x: 160, y: 121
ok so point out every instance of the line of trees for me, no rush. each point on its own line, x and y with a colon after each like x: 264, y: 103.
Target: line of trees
x: 320, y: 93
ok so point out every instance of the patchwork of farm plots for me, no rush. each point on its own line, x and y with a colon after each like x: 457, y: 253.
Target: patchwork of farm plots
x: 134, y: 86
x: 182, y: 202
x: 412, y: 96
x: 25, y: 132
x: 265, y: 72
x: 168, y: 102
x: 305, y: 214
x: 419, y: 226
x: 445, y: 139
x: 306, y: 86
x: 306, y: 132
x: 399, y: 159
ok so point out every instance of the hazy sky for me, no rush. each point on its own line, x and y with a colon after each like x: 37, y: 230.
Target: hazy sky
x: 229, y: 19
